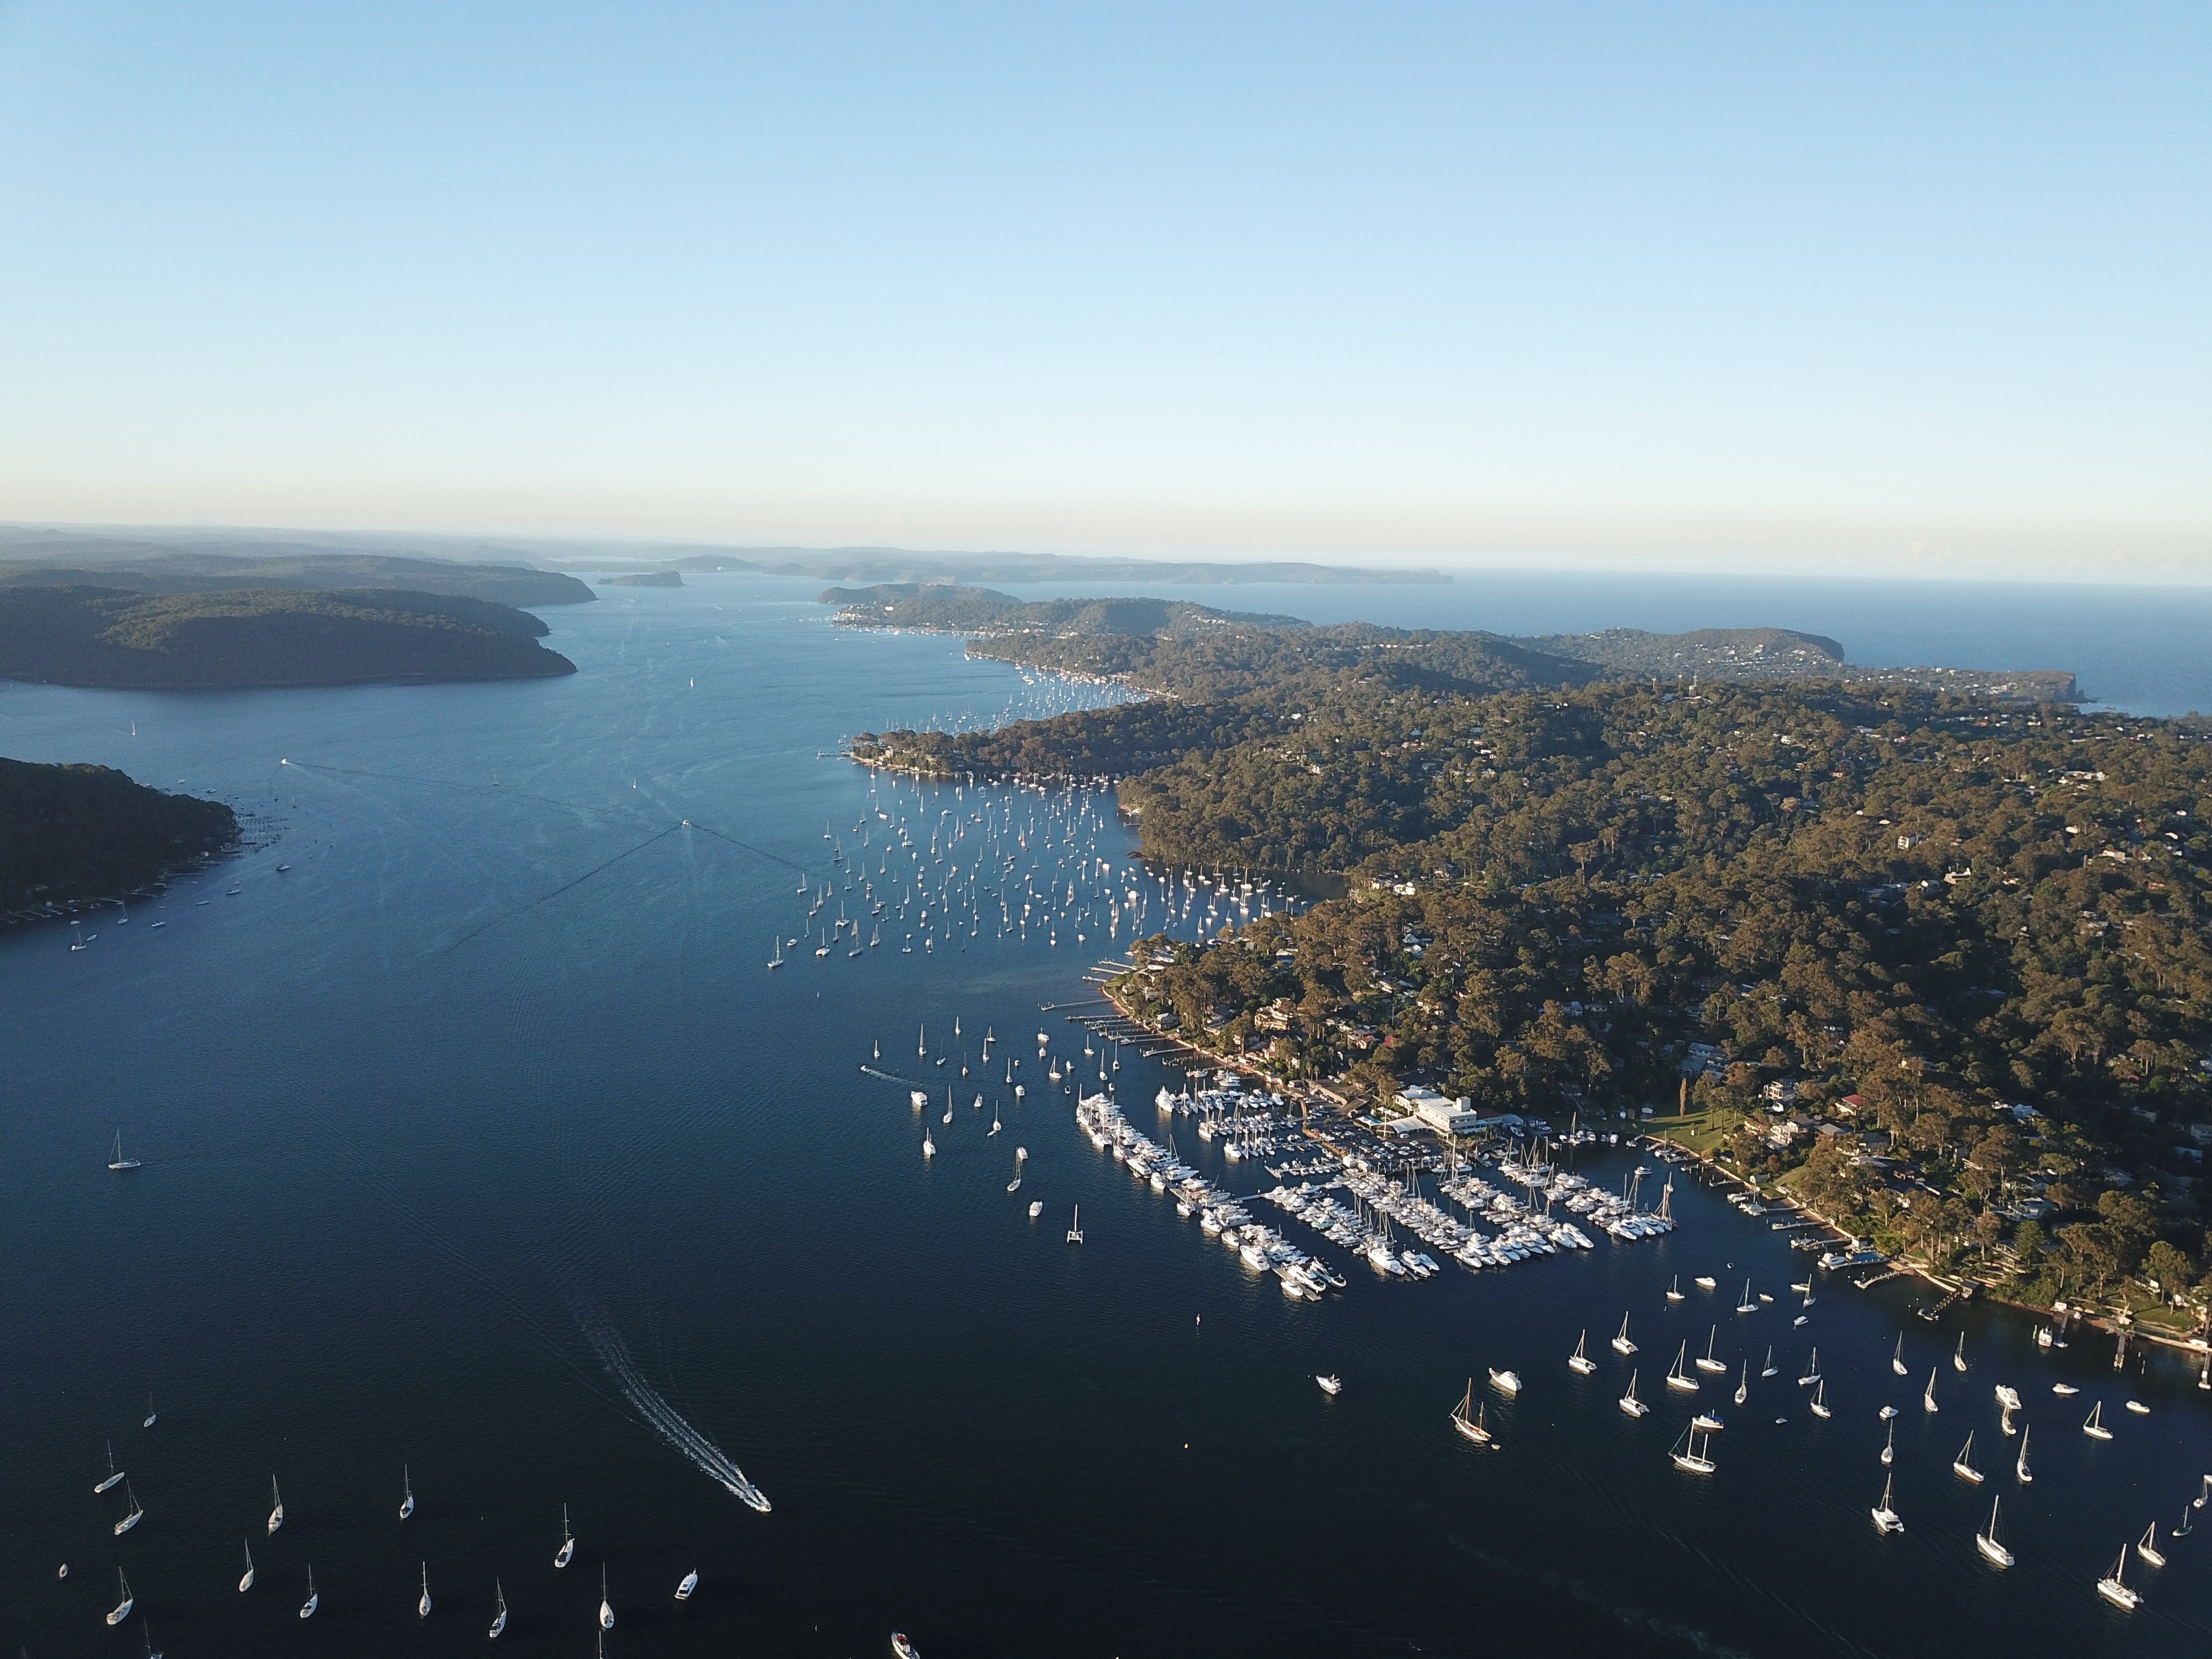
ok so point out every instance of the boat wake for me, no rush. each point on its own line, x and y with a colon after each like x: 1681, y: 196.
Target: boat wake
x: 663, y: 1418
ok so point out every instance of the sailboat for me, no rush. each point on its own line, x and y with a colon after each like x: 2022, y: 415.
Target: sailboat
x: 2020, y: 1469
x: 1075, y: 1227
x: 1812, y: 1370
x: 1992, y: 1551
x: 423, y: 1606
x: 1770, y: 1368
x: 1959, y: 1355
x: 132, y: 1516
x: 276, y: 1505
x: 146, y: 1631
x: 1630, y: 1403
x: 2094, y: 1428
x: 1819, y: 1404
x: 1928, y: 1398
x: 995, y: 1125
x: 776, y: 961
x: 1579, y: 1361
x: 948, y: 1103
x: 1743, y: 1384
x: 2146, y: 1547
x: 119, y: 1162
x: 567, y: 1550
x: 406, y: 1486
x: 928, y: 1146
x: 1710, y: 1363
x: 606, y: 1607
x: 114, y: 1474
x: 1963, y: 1464
x: 1746, y: 1305
x: 1678, y: 1378
x: 1674, y: 1290
x: 2114, y: 1587
x: 308, y: 1607
x: 121, y: 1610
x: 690, y: 1582
x: 1885, y: 1517
x: 151, y: 1415
x: 1468, y: 1417
x: 498, y: 1619
x: 1889, y: 1446
x: 1621, y: 1345
x: 1897, y: 1359
x: 1020, y: 1153
x: 245, y: 1582
x: 1686, y: 1455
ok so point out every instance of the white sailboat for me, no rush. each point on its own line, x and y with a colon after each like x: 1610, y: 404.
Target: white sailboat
x: 690, y: 1582
x: 1579, y: 1361
x: 499, y: 1618
x: 776, y: 961
x: 1963, y: 1464
x: 2114, y: 1587
x: 276, y: 1505
x: 131, y: 1516
x: 1889, y: 1446
x: 1629, y: 1403
x: 151, y: 1415
x: 1075, y: 1227
x: 2094, y: 1428
x: 119, y: 1162
x: 606, y: 1607
x: 121, y: 1610
x: 115, y: 1475
x: 1897, y: 1359
x: 407, y: 1488
x: 1686, y: 1455
x: 423, y: 1606
x: 1679, y: 1379
x: 1743, y: 1384
x: 1021, y: 1153
x: 1674, y: 1290
x: 1708, y: 1363
x: 2146, y: 1547
x: 308, y: 1607
x: 1812, y: 1370
x: 1621, y: 1345
x: 563, y: 1556
x: 245, y: 1582
x: 1747, y: 1305
x: 1958, y: 1354
x: 2019, y: 1467
x: 1885, y: 1519
x: 1819, y: 1404
x: 928, y: 1146
x: 1928, y: 1398
x: 1468, y: 1419
x: 1992, y: 1551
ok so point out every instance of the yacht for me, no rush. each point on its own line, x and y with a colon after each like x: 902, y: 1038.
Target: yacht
x: 1036, y: 1208
x: 1674, y: 1291
x: 1927, y: 1397
x: 499, y: 1618
x: 1468, y: 1419
x: 1708, y: 1422
x: 2146, y: 1547
x: 1686, y: 1455
x: 1885, y: 1517
x: 1630, y: 1403
x: 2020, y: 1469
x: 2113, y: 1586
x: 152, y: 1416
x: 1819, y: 1403
x: 1746, y: 1305
x: 119, y: 1162
x: 1812, y: 1370
x: 2094, y: 1428
x: 606, y: 1607
x: 1889, y: 1446
x: 115, y: 1475
x: 1332, y: 1385
x: 121, y: 1610
x: 690, y: 1584
x: 1679, y: 1379
x: 1958, y: 1354
x: 1507, y: 1382
x: 2064, y: 1390
x: 567, y: 1550
x: 1703, y: 1281
x: 423, y: 1606
x: 1992, y: 1551
x: 407, y: 1491
x: 2008, y: 1397
x: 1743, y: 1384
x: 902, y: 1649
x: 1708, y: 1362
x: 276, y: 1505
x: 1621, y: 1345
x: 132, y: 1516
x: 1897, y: 1359
x: 1075, y: 1227
x: 246, y: 1583
x: 308, y: 1607
x: 1579, y: 1361
x: 2138, y: 1408
x: 1963, y: 1464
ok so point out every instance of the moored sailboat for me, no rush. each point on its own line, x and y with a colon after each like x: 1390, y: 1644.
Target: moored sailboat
x: 1468, y: 1419
x: 276, y: 1505
x: 1886, y: 1518
x: 1621, y: 1345
x: 245, y: 1582
x: 499, y: 1618
x: 1986, y: 1541
x: 567, y: 1550
x: 1963, y: 1464
x: 1579, y: 1361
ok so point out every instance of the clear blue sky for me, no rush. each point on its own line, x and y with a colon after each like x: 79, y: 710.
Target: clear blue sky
x: 1813, y: 285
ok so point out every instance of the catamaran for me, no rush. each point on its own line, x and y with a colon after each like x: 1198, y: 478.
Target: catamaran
x: 245, y: 1582
x: 1468, y: 1417
x: 1621, y: 1345
x: 2114, y: 1587
x: 119, y: 1162
x: 1075, y: 1226
x: 1992, y: 1551
x: 407, y: 1488
x: 567, y: 1550
x: 115, y: 1475
x: 1885, y: 1517
x: 276, y: 1505
x: 1579, y: 1361
x: 1963, y: 1464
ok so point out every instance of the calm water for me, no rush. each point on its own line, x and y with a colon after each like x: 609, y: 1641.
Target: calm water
x: 419, y: 1118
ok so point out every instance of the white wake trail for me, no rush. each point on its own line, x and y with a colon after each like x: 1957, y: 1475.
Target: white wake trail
x: 664, y: 1419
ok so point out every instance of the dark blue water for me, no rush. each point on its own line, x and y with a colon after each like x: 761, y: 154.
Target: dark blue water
x: 424, y: 1116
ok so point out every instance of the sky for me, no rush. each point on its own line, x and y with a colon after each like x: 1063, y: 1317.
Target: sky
x: 1845, y: 289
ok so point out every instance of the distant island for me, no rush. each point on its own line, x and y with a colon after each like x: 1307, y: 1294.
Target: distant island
x: 76, y: 835
x: 644, y: 579
x: 1928, y: 951
x: 79, y: 561
x: 238, y: 638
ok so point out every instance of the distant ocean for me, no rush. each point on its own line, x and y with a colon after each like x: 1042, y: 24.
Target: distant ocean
x: 2143, y: 650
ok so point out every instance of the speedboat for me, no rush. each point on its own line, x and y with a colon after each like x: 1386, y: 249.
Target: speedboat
x: 1331, y: 1384
x: 690, y: 1582
x: 1506, y: 1382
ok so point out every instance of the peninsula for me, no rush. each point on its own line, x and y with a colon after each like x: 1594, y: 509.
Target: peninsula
x: 71, y: 835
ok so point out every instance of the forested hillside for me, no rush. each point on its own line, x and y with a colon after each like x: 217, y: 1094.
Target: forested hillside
x: 74, y: 833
